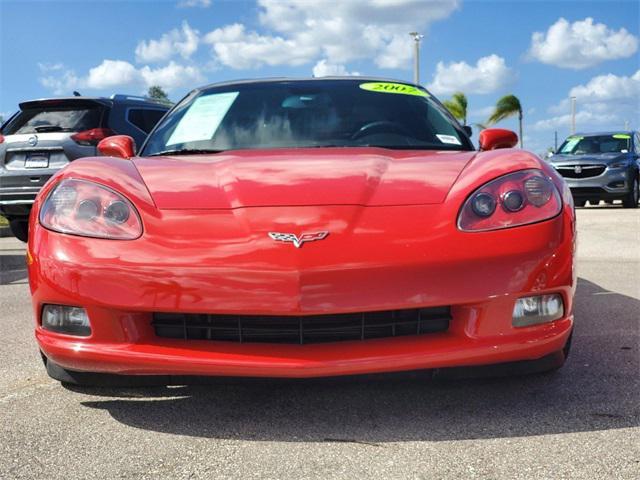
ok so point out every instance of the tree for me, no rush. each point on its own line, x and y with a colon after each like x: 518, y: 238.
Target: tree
x: 506, y: 107
x: 457, y: 105
x: 156, y: 91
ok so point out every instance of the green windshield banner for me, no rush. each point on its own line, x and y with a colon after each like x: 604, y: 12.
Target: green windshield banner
x: 386, y: 87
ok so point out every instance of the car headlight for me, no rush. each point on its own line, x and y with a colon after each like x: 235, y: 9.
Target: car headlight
x: 619, y: 163
x: 519, y: 198
x: 88, y: 209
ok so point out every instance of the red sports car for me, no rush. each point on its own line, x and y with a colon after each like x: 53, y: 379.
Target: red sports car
x: 302, y: 228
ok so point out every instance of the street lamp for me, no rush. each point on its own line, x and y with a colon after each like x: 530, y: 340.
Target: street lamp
x: 573, y: 115
x: 416, y: 56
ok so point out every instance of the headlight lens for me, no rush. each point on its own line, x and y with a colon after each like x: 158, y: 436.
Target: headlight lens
x: 81, y: 207
x: 619, y: 164
x: 519, y: 198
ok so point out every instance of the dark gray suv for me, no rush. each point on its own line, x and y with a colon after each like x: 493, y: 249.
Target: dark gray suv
x: 600, y: 166
x: 45, y: 135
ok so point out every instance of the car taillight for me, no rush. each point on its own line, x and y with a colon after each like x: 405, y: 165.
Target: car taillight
x: 91, y: 137
x: 1, y: 139
x: 80, y: 207
x: 520, y: 198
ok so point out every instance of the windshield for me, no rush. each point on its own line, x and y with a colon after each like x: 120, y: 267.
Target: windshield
x: 331, y: 113
x: 614, y: 143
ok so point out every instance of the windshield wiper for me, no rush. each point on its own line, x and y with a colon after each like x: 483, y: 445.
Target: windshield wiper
x: 185, y: 151
x: 50, y: 128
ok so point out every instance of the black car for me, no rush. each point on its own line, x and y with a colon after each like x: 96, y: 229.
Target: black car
x: 47, y: 134
x: 600, y: 166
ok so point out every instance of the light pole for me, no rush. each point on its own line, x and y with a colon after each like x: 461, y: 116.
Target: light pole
x: 416, y: 56
x: 573, y: 115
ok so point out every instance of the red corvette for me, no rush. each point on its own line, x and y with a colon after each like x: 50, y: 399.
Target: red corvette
x: 302, y: 228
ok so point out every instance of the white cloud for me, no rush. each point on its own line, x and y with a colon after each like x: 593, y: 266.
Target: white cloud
x: 61, y: 84
x: 488, y: 75
x: 584, y: 117
x: 608, y: 87
x: 396, y: 53
x: 325, y: 69
x: 111, y: 73
x: 581, y: 44
x: 236, y: 48
x: 114, y: 74
x: 306, y: 31
x: 171, y: 76
x: 605, y: 100
x: 183, y: 42
x: 50, y: 67
x: 194, y: 3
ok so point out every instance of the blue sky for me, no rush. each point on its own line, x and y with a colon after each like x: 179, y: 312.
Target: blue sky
x: 543, y: 52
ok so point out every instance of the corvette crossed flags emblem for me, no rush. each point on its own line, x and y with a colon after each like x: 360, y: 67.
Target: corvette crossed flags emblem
x: 298, y: 240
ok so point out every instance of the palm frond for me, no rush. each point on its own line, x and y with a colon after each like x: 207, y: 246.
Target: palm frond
x: 457, y: 105
x: 506, y: 107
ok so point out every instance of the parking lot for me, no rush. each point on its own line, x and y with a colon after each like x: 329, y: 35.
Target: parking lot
x: 580, y: 422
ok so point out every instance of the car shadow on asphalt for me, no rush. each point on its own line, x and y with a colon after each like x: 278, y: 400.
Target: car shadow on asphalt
x: 598, y: 389
x: 13, y: 269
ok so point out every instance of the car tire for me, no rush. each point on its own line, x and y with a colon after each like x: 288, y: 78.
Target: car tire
x: 579, y: 203
x: 595, y: 203
x: 19, y: 228
x: 631, y: 199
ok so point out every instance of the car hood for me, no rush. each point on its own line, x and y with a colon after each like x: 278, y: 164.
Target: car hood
x: 327, y: 176
x: 604, y: 158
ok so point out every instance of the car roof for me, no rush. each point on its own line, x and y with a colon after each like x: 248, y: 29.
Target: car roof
x: 116, y: 98
x: 595, y: 134
x: 352, y: 78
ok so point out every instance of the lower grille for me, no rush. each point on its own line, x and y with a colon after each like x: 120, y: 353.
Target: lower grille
x: 581, y: 171
x: 588, y: 191
x: 302, y: 329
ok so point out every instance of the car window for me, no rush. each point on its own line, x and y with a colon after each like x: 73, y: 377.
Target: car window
x: 585, y: 145
x: 308, y: 114
x: 144, y: 118
x: 43, y: 119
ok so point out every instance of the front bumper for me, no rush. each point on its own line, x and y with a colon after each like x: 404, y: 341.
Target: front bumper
x: 355, y: 269
x: 613, y: 184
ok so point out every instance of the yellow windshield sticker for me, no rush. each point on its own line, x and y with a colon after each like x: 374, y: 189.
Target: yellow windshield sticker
x: 385, y: 87
x: 622, y: 135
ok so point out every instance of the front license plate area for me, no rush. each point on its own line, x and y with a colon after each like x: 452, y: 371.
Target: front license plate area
x: 36, y: 160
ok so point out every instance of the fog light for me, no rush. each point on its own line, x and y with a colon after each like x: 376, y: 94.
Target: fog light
x: 64, y: 319
x: 539, y: 309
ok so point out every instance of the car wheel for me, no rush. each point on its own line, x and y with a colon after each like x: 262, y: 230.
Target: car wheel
x: 594, y: 202
x: 19, y: 228
x: 579, y: 203
x: 631, y: 199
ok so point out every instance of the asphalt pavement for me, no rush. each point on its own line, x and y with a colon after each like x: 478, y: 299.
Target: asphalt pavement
x: 580, y: 422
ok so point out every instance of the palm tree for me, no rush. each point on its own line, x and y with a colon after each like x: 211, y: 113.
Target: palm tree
x: 457, y: 105
x: 506, y: 107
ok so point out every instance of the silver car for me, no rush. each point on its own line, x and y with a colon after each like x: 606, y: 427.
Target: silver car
x: 600, y: 166
x: 45, y: 135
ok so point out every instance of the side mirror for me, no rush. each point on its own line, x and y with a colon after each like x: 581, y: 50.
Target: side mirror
x: 120, y: 146
x: 493, y: 138
x: 467, y: 129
